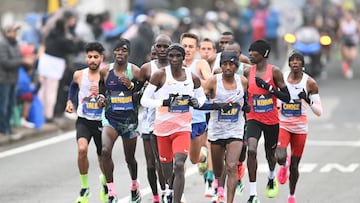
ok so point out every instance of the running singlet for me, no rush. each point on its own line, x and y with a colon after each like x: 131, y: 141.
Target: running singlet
x: 148, y: 115
x: 263, y: 103
x: 87, y: 105
x: 119, y: 100
x: 198, y: 116
x: 293, y: 116
x: 168, y: 121
x: 230, y: 124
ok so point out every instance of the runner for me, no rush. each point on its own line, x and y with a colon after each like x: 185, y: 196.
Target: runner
x: 226, y: 127
x: 265, y: 85
x: 118, y: 87
x: 169, y: 90
x: 88, y: 124
x: 304, y: 92
x: 198, y: 150
x: 162, y: 43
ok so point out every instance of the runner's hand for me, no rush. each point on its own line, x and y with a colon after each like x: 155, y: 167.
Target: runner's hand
x: 262, y: 84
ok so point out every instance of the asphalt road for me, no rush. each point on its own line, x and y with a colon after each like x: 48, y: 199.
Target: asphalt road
x: 45, y: 170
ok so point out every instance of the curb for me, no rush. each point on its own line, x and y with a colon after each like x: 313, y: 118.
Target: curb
x: 22, y: 133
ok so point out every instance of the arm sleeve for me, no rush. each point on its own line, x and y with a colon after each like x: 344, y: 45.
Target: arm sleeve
x: 102, y: 87
x: 315, y: 104
x: 200, y: 95
x: 147, y: 98
x: 283, y: 94
x: 73, y: 90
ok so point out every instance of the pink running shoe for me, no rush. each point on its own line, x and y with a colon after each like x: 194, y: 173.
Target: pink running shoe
x: 291, y: 200
x: 283, y: 173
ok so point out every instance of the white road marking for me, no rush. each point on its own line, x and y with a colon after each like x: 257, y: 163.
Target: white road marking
x: 37, y: 145
x: 333, y: 143
x: 335, y: 166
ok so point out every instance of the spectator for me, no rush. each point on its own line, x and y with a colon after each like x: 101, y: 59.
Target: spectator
x: 10, y: 62
x: 141, y: 44
x: 24, y: 89
x: 52, y: 63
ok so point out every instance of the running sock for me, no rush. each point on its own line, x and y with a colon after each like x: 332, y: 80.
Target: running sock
x: 84, y: 180
x: 210, y: 175
x: 220, y: 191
x: 111, y: 189
x: 102, y: 179
x: 272, y: 175
x: 216, y: 183
x: 134, y: 185
x: 252, y: 188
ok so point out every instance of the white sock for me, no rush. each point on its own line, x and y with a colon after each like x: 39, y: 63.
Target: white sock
x: 252, y: 188
x: 271, y: 174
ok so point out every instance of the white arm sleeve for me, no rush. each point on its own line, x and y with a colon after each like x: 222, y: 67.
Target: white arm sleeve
x: 316, y: 106
x: 200, y: 95
x: 147, y: 98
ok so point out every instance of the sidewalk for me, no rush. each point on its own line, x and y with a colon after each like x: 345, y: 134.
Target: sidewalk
x: 63, y: 124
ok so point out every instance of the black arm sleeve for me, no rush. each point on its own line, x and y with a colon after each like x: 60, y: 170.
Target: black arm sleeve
x: 283, y: 94
x: 102, y: 88
x: 209, y: 106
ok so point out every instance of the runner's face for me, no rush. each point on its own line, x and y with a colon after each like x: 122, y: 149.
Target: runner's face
x: 121, y: 55
x: 161, y: 47
x: 228, y: 69
x: 93, y: 59
x: 255, y: 57
x: 295, y: 64
x: 206, y: 50
x: 224, y: 40
x: 175, y: 58
x: 189, y: 45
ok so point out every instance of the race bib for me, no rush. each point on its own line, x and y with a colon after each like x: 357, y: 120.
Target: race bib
x: 231, y: 116
x: 121, y: 101
x: 262, y: 103
x: 90, y: 107
x: 180, y: 104
x: 291, y: 109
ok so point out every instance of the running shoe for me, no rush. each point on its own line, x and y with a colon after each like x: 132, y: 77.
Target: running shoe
x: 347, y: 70
x: 156, y: 199
x: 135, y: 196
x: 209, y: 190
x: 272, y: 188
x: 112, y: 199
x: 291, y: 200
x: 84, y: 196
x: 239, y: 188
x: 220, y: 199
x: 241, y: 170
x: 183, y: 200
x: 283, y: 173
x: 103, y: 189
x: 214, y: 198
x: 169, y: 198
x: 163, y: 195
x: 253, y: 199
x: 203, y: 165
